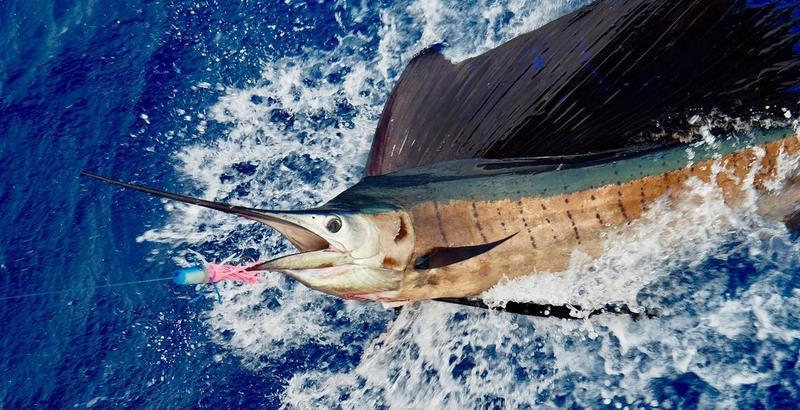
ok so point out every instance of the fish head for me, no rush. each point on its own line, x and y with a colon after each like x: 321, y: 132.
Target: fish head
x: 361, y: 245
x: 344, y: 250
x: 351, y: 254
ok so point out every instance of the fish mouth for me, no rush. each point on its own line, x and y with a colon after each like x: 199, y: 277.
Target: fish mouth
x: 323, y: 264
x: 315, y: 252
x: 319, y: 260
x: 289, y: 224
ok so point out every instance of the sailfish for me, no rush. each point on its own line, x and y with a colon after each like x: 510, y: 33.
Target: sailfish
x: 505, y: 164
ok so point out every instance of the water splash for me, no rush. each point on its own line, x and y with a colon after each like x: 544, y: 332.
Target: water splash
x: 670, y: 235
x: 300, y: 135
x: 720, y: 334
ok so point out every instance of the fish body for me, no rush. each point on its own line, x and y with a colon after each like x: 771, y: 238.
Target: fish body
x: 455, y: 229
x: 548, y: 214
x: 507, y: 163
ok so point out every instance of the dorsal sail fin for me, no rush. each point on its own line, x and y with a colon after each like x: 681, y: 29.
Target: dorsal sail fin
x: 603, y: 77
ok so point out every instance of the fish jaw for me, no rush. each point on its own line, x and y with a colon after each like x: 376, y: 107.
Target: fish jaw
x: 364, y: 260
x: 349, y: 281
x: 343, y: 250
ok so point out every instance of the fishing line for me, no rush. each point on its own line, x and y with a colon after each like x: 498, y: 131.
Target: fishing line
x: 212, y: 273
x: 110, y: 285
x: 209, y: 274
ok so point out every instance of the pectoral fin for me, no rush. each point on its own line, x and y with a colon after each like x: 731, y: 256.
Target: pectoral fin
x: 440, y: 257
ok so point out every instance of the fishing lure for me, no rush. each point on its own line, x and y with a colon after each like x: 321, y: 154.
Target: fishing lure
x: 213, y: 273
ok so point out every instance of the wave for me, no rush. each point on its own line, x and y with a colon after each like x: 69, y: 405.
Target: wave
x: 300, y: 134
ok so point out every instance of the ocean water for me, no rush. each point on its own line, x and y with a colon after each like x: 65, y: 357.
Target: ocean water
x: 273, y: 105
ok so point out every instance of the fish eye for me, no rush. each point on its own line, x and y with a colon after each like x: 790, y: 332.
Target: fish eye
x: 334, y: 224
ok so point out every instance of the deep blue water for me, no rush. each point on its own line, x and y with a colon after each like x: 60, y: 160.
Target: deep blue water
x: 189, y: 96
x: 75, y: 78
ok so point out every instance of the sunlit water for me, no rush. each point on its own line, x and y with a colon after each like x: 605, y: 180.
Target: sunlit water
x: 275, y: 108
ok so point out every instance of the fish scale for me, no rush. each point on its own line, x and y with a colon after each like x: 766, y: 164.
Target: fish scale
x: 457, y: 162
x: 554, y: 227
x: 456, y: 229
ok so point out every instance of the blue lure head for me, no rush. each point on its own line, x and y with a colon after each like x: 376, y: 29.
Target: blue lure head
x: 195, y: 275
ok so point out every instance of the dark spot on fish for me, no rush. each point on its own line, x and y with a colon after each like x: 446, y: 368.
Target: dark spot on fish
x: 566, y: 200
x: 525, y: 223
x: 544, y: 208
x: 574, y: 227
x: 599, y: 219
x: 439, y: 222
x: 478, y: 221
x: 593, y: 198
x: 502, y: 224
x: 622, y: 209
x: 619, y: 193
x: 547, y: 220
x: 390, y: 263
x: 402, y: 232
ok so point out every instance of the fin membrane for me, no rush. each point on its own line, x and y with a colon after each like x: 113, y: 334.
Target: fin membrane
x: 554, y: 311
x: 611, y: 74
x: 441, y: 257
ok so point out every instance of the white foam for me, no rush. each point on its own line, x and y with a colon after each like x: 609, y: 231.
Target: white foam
x: 441, y: 356
x: 646, y: 250
x: 614, y: 359
x: 314, y: 135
